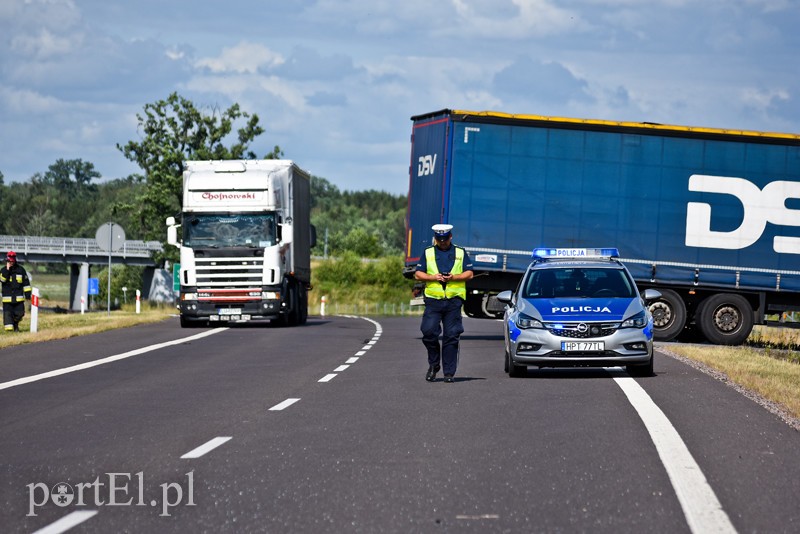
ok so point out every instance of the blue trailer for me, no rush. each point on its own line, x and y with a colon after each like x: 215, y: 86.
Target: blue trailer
x: 709, y: 217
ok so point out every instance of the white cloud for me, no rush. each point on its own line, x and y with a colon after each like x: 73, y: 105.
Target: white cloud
x: 244, y: 57
x: 515, y: 18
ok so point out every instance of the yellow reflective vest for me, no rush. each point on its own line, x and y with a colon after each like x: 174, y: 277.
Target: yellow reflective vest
x: 456, y: 288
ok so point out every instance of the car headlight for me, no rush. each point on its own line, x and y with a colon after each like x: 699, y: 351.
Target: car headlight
x: 524, y: 321
x: 635, y: 321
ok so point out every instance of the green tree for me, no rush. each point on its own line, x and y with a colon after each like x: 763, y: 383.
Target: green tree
x: 71, y: 177
x: 173, y: 131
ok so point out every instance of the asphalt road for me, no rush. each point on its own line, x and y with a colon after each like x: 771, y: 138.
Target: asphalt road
x: 331, y: 427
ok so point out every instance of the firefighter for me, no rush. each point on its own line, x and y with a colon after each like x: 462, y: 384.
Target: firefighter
x: 16, y: 289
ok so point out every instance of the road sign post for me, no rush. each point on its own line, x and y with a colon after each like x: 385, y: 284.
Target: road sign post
x: 110, y: 238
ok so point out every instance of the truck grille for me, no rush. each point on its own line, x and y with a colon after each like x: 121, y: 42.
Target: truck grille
x: 582, y: 330
x: 229, y: 272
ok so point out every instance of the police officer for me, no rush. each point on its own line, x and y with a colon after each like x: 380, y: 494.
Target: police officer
x: 444, y: 268
x: 16, y: 289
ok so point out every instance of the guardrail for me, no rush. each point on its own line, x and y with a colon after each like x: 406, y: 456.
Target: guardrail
x: 74, y: 246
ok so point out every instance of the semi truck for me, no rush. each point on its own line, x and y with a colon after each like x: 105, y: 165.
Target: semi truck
x: 245, y: 242
x: 708, y: 217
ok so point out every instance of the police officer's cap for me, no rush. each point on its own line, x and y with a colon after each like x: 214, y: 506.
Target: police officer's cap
x: 442, y: 231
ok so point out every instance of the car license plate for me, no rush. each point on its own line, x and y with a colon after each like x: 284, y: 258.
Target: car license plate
x: 582, y: 346
x: 229, y: 311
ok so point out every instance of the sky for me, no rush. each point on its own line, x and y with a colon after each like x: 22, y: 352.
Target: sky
x: 335, y: 82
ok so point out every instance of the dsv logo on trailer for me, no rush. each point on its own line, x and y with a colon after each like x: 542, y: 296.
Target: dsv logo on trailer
x: 761, y: 206
x: 426, y: 166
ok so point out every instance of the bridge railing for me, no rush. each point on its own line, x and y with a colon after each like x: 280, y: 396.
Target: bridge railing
x: 74, y: 246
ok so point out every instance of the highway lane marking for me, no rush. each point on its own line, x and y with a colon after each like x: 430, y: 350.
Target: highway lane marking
x: 371, y: 343
x: 700, y: 505
x: 283, y: 405
x: 67, y: 522
x: 206, y: 448
x: 109, y: 359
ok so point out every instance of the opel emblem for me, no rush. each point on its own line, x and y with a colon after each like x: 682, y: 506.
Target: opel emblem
x: 583, y: 328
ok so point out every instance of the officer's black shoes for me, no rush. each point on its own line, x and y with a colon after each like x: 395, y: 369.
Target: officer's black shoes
x: 449, y: 379
x: 431, y: 374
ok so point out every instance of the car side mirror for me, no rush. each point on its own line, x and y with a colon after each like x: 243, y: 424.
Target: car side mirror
x: 506, y: 296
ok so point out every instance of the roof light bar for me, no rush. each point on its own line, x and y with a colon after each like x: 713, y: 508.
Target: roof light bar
x: 564, y: 253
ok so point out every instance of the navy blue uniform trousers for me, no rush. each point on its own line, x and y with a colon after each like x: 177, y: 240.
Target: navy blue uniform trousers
x: 442, y: 316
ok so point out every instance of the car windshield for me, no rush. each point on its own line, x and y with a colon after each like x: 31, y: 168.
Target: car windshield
x: 226, y: 230
x: 578, y: 282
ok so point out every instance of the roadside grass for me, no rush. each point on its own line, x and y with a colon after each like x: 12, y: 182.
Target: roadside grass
x: 775, y: 380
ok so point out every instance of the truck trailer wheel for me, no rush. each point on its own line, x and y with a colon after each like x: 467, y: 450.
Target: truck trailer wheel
x: 725, y: 319
x: 669, y: 315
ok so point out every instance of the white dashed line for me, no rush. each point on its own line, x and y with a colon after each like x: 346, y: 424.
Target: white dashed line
x: 700, y: 505
x: 205, y: 448
x: 283, y: 405
x: 327, y: 378
x: 351, y: 360
x: 361, y: 353
x: 67, y: 522
x: 341, y: 368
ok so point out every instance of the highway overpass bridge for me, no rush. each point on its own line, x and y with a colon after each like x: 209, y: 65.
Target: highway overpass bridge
x: 80, y: 253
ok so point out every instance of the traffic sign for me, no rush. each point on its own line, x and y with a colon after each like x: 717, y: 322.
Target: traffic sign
x: 110, y: 237
x: 94, y: 286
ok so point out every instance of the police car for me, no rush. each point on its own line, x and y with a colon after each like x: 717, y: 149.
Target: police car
x: 578, y: 307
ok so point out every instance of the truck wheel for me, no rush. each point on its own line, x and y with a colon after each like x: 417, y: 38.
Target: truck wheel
x: 669, y: 315
x: 294, y: 305
x: 725, y: 319
x: 302, y: 303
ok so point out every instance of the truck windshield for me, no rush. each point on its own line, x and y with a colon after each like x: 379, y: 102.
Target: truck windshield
x: 213, y: 230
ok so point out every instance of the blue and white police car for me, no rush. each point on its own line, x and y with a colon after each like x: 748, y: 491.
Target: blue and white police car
x: 578, y: 307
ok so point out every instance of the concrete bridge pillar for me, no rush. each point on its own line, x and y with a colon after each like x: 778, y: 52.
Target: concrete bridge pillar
x: 78, y: 285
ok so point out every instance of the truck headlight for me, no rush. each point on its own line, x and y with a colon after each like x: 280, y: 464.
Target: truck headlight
x: 189, y: 296
x: 525, y: 321
x: 635, y: 321
x: 270, y: 295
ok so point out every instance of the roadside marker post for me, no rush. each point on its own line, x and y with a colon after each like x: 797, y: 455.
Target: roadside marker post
x: 35, y: 309
x: 322, y: 306
x: 138, y: 301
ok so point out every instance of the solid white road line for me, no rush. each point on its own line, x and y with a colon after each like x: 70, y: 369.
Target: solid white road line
x: 67, y: 522
x: 205, y: 448
x: 95, y: 363
x: 703, y: 510
x: 340, y: 368
x: 283, y: 405
x: 327, y: 378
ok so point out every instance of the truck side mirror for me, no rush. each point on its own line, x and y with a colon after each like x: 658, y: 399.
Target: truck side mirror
x: 172, y: 231
x: 285, y: 233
